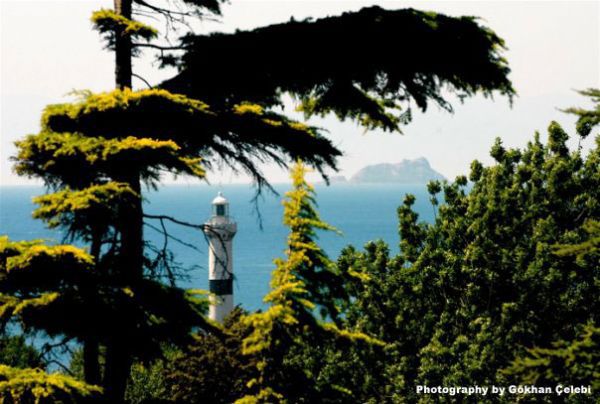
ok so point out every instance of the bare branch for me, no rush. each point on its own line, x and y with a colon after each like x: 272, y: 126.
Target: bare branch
x: 205, y: 230
x: 48, y: 355
x: 61, y: 365
x: 177, y: 240
x: 159, y: 47
x: 163, y: 11
x: 177, y: 221
x: 142, y: 79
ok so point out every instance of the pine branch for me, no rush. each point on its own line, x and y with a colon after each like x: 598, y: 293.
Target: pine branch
x: 142, y: 79
x: 159, y: 47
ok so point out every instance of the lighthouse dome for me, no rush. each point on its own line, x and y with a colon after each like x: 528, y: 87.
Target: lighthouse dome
x: 220, y: 200
x: 220, y: 206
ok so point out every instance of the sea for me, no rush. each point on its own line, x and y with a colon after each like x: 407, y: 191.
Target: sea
x: 361, y: 213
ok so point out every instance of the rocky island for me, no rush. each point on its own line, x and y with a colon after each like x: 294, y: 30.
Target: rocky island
x: 417, y: 171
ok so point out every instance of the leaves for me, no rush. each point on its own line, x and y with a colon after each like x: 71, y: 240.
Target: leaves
x: 367, y: 65
x: 302, y: 282
x: 46, y: 287
x: 37, y: 386
x: 588, y: 119
x: 74, y: 160
x: 576, y: 361
x: 110, y: 25
x: 109, y: 134
x: 81, y: 213
x: 474, y: 290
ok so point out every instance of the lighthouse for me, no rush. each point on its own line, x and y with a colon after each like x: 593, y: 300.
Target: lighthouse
x: 220, y: 230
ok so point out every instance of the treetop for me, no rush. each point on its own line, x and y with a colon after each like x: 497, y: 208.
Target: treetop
x: 364, y: 65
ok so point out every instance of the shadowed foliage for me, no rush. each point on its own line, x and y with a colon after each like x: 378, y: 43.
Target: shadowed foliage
x: 212, y: 369
x: 97, y: 152
x: 16, y: 352
x: 362, y: 65
x: 58, y: 290
x: 82, y: 213
x: 587, y: 118
x: 473, y: 290
x: 573, y: 360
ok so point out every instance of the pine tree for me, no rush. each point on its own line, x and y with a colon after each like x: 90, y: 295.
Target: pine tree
x: 573, y: 361
x: 97, y: 152
x: 33, y: 275
x: 509, y: 264
x: 303, y: 282
x: 370, y: 66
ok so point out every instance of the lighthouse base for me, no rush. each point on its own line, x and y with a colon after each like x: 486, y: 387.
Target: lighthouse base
x: 220, y: 307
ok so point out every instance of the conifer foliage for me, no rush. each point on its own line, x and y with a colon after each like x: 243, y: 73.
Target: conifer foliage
x: 38, y: 387
x: 510, y: 263
x: 366, y: 66
x: 96, y: 153
x: 301, y: 283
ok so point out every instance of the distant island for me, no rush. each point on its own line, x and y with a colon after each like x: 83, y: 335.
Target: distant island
x: 417, y: 171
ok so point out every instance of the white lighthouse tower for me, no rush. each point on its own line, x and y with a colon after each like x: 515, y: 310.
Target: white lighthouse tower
x: 220, y: 230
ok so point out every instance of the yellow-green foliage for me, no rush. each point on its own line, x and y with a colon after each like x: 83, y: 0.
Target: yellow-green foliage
x: 11, y: 306
x: 174, y: 108
x: 248, y: 108
x: 180, y: 130
x: 121, y: 100
x: 10, y: 248
x: 57, y: 289
x: 288, y: 295
x: 591, y: 245
x: 23, y: 255
x: 272, y: 122
x: 42, y: 255
x: 160, y: 114
x: 31, y: 274
x: 265, y: 395
x: 36, y: 386
x: 95, y: 202
x: 73, y: 157
x: 350, y: 335
x: 576, y: 362
x: 299, y: 126
x: 294, y: 294
x: 111, y: 24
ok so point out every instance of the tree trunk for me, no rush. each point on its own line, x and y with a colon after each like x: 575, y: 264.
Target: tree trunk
x: 91, y: 365
x: 130, y: 272
x: 118, y: 365
x: 91, y: 351
x: 123, y: 48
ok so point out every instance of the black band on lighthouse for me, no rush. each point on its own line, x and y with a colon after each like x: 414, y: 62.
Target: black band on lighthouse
x: 221, y: 286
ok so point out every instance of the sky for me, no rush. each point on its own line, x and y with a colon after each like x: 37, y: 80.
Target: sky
x: 47, y: 49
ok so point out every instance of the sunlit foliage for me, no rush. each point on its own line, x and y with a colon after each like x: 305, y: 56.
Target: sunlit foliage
x: 38, y: 387
x: 95, y: 154
x: 59, y: 290
x: 107, y: 135
x: 301, y: 283
x: 109, y: 24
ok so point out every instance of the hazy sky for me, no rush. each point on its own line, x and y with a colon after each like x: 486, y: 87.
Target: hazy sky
x: 48, y: 49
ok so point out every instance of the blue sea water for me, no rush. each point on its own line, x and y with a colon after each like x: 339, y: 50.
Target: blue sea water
x: 362, y: 212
